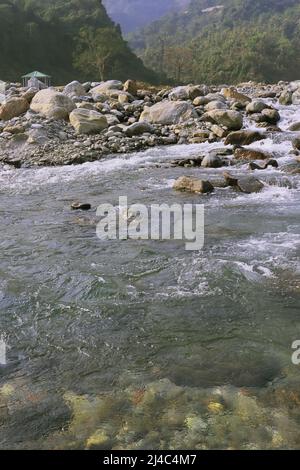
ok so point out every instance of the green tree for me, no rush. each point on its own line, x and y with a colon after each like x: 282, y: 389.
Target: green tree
x: 97, y: 50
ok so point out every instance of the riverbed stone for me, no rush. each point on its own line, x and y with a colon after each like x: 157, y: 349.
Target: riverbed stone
x: 286, y: 97
x: 194, y: 185
x: 74, y: 89
x: 82, y: 206
x: 245, y: 184
x: 13, y: 107
x: 139, y: 128
x: 231, y: 93
x: 271, y: 116
x: 52, y: 104
x: 295, y: 127
x: 296, y: 97
x: 296, y: 143
x: 256, y: 106
x: 211, y: 161
x: 168, y: 112
x: 244, y: 137
x: 232, y: 120
x: 250, y: 154
x: 86, y: 121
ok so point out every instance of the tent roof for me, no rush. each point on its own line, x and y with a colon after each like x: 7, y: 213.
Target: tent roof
x: 36, y: 75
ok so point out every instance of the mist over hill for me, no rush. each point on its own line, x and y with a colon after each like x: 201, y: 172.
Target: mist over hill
x: 132, y: 14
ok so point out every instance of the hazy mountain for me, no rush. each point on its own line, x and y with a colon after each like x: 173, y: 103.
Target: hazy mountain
x: 132, y: 14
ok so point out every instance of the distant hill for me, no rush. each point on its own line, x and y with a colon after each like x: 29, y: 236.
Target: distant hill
x: 217, y: 41
x: 133, y: 14
x: 54, y: 36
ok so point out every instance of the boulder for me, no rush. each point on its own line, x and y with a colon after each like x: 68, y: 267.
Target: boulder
x: 296, y: 143
x: 294, y: 127
x: 108, y: 85
x: 130, y: 87
x: 272, y: 162
x: 168, y: 112
x: 232, y: 94
x: 233, y: 120
x: 214, y: 97
x: 286, y: 97
x: 245, y: 184
x: 74, y: 89
x: 13, y: 107
x: 193, y: 185
x: 244, y: 137
x: 52, y: 104
x: 219, y: 131
x: 296, y: 97
x: 271, y: 116
x: 14, y: 129
x: 86, y: 121
x: 29, y: 94
x: 215, y: 105
x: 200, y: 101
x: 250, y: 154
x: 256, y: 106
x: 189, y: 92
x: 212, y: 161
x: 138, y: 128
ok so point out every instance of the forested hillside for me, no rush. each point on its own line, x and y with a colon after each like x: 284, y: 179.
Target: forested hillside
x: 217, y: 41
x: 66, y: 39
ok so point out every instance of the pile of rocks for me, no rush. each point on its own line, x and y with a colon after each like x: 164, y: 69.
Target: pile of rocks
x: 84, y: 122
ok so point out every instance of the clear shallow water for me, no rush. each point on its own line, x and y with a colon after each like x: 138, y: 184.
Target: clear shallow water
x: 143, y: 344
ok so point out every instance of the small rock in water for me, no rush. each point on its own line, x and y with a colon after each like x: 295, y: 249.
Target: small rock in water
x: 186, y: 183
x: 296, y: 143
x: 294, y: 127
x: 250, y: 154
x: 244, y: 137
x: 212, y: 161
x: 271, y: 116
x: 82, y: 206
x: 245, y: 184
x: 272, y: 162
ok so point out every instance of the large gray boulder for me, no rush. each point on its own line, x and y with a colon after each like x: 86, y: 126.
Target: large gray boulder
x: 104, y: 88
x: 86, y: 121
x: 74, y: 89
x: 52, y: 104
x: 232, y: 120
x: 168, y: 112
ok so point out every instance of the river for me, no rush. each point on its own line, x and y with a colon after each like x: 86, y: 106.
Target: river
x: 142, y: 344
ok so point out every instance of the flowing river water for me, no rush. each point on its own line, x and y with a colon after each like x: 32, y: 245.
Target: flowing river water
x: 142, y: 344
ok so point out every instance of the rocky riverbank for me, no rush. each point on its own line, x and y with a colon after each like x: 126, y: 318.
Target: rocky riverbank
x: 85, y: 122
